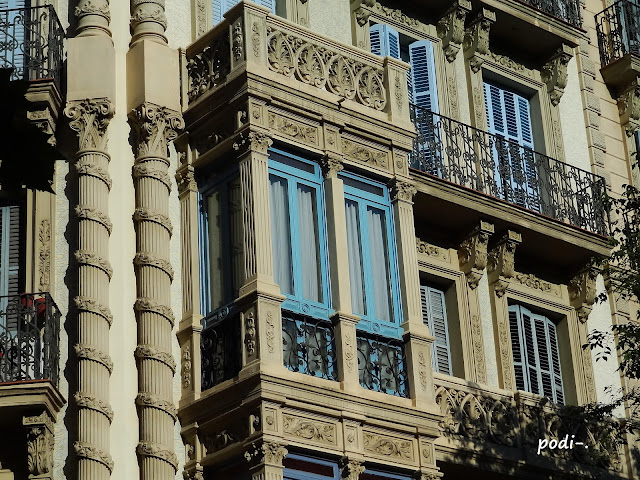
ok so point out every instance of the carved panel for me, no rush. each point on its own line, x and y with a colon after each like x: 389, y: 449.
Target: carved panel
x: 294, y: 129
x: 385, y: 446
x: 360, y: 153
x: 425, y: 248
x: 310, y: 430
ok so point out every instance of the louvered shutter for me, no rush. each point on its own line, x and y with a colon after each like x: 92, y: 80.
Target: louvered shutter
x: 555, y: 363
x: 220, y: 7
x: 425, y: 93
x: 434, y: 315
x: 384, y: 40
x: 9, y: 258
x: 15, y: 36
x: 515, y: 328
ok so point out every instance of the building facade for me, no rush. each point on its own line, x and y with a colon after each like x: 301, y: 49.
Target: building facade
x: 311, y: 239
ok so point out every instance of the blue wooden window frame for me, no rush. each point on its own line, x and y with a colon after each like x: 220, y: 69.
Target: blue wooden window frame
x: 534, y: 341
x: 312, y: 178
x: 220, y: 7
x: 293, y: 474
x: 365, y: 198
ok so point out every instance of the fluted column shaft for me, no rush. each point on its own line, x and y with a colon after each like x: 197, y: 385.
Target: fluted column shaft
x: 89, y: 119
x: 154, y: 127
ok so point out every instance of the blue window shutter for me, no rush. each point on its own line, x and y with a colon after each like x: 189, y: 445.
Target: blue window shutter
x: 555, y: 363
x: 217, y: 10
x: 434, y: 315
x: 270, y: 4
x: 423, y: 73
x: 508, y: 114
x: 384, y: 40
x: 515, y: 328
x: 9, y: 259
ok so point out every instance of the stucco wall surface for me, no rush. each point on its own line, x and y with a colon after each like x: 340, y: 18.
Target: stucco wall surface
x: 331, y: 18
x: 572, y: 119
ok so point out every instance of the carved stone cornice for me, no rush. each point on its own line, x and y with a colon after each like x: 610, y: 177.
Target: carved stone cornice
x: 501, y: 262
x: 554, y: 73
x: 90, y: 118
x: 254, y: 141
x: 402, y: 190
x: 582, y: 291
x: 476, y: 38
x: 155, y: 127
x: 40, y: 444
x: 331, y: 164
x: 269, y: 453
x: 451, y: 28
x: 629, y: 108
x: 395, y: 14
x: 351, y: 469
x: 473, y: 254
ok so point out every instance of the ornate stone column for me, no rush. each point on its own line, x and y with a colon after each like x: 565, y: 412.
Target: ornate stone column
x: 148, y: 21
x: 266, y: 461
x: 417, y: 337
x: 89, y: 119
x: 155, y: 127
x: 93, y: 18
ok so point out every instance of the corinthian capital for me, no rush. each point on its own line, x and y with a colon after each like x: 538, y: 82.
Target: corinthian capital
x: 402, y: 190
x: 90, y: 118
x: 155, y: 127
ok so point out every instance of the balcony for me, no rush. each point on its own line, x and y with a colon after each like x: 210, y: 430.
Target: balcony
x: 31, y: 42
x: 29, y: 338
x: 566, y: 10
x: 509, y: 425
x: 618, y: 29
x: 504, y: 170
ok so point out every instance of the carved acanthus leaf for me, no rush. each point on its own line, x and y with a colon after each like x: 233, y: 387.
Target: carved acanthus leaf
x: 554, y: 73
x: 472, y: 253
x: 476, y: 38
x: 89, y: 119
x: 451, y: 28
x: 155, y: 127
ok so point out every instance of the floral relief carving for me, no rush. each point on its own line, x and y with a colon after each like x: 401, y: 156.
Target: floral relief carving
x: 401, y: 190
x: 554, y: 73
x: 397, y: 15
x: 507, y: 62
x: 44, y: 268
x: 451, y: 28
x: 360, y: 153
x: 155, y: 127
x: 309, y: 430
x: 387, y: 446
x: 504, y: 339
x: 324, y: 68
x: 271, y: 332
x: 349, y: 356
x: 472, y: 253
x: 582, y: 291
x: 531, y: 281
x: 422, y: 362
x: 293, y: 129
x: 431, y: 250
x: 270, y: 453
x: 250, y: 335
x: 501, y: 262
x: 351, y: 469
x: 40, y: 445
x: 238, y: 41
x: 201, y: 12
x: 209, y: 68
x: 89, y: 119
x: 478, y: 348
x: 255, y: 39
x: 186, y: 368
x: 476, y: 38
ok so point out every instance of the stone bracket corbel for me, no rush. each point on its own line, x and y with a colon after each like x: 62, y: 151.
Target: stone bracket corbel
x: 40, y: 443
x: 554, y: 73
x: 629, y: 108
x: 472, y: 253
x: 476, y: 38
x: 501, y: 263
x: 582, y: 290
x: 451, y: 28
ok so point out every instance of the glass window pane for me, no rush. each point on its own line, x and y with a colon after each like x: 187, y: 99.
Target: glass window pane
x: 309, y: 247
x: 280, y: 234
x: 216, y: 259
x: 379, y: 263
x: 355, y: 258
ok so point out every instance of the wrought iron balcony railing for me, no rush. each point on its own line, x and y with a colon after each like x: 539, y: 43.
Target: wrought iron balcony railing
x: 566, y: 10
x: 29, y: 337
x: 505, y: 170
x: 31, y: 42
x: 308, y: 346
x: 382, y: 365
x: 220, y: 348
x: 618, y: 28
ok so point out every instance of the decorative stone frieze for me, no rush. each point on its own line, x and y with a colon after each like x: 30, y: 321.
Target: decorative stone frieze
x: 531, y: 281
x: 554, y: 73
x: 89, y: 119
x: 582, y: 291
x: 425, y: 248
x: 476, y: 38
x: 473, y: 253
x: 357, y: 152
x: 451, y: 28
x: 501, y: 263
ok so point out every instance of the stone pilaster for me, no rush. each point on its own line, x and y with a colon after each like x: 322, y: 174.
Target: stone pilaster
x: 154, y: 127
x: 266, y: 461
x: 40, y: 444
x: 89, y: 119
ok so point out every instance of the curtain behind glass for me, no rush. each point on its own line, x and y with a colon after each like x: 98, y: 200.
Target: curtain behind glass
x: 355, y: 258
x: 216, y: 267
x: 280, y: 238
x: 309, y: 251
x: 379, y: 263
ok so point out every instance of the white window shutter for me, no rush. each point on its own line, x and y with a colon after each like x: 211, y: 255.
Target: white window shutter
x: 517, y: 348
x: 9, y: 258
x: 423, y: 73
x: 555, y: 363
x: 434, y: 315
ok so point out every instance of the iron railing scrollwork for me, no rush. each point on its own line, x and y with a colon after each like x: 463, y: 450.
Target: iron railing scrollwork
x: 220, y: 347
x: 31, y: 42
x: 382, y: 364
x: 503, y: 169
x: 308, y: 346
x: 618, y: 30
x: 566, y: 10
x: 29, y: 338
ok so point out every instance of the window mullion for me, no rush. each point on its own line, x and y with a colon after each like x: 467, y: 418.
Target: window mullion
x: 366, y: 261
x: 294, y: 228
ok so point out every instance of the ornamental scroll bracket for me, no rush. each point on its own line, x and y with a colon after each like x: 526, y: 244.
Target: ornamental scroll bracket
x: 501, y: 262
x: 472, y: 253
x: 629, y: 108
x: 582, y: 290
x: 451, y: 28
x: 554, y: 73
x: 476, y: 38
